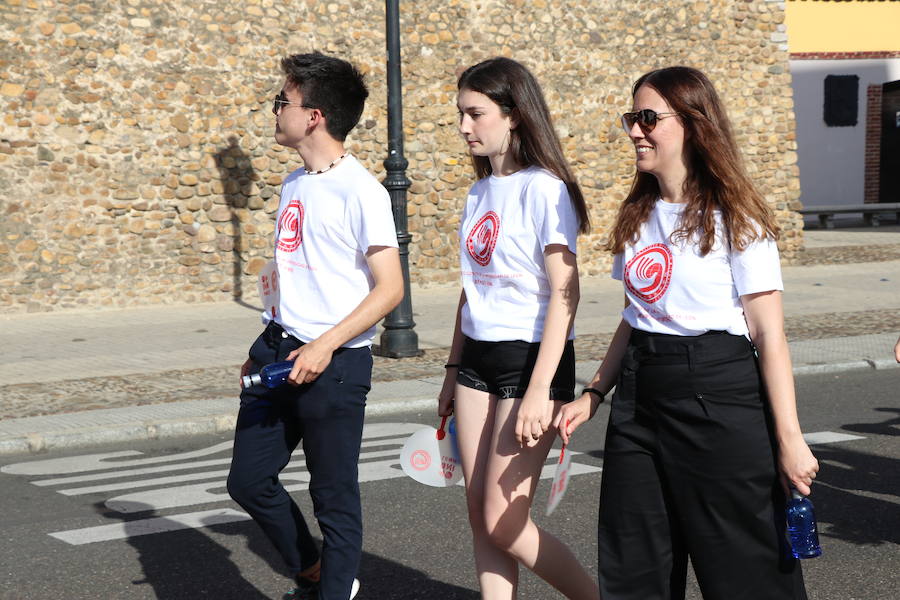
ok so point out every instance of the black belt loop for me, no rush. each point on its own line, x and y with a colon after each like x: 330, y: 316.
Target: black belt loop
x: 690, y: 356
x: 273, y: 331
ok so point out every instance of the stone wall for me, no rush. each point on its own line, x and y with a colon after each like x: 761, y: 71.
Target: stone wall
x: 137, y: 163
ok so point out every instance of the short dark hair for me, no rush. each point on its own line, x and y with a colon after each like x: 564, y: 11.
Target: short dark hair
x: 332, y: 85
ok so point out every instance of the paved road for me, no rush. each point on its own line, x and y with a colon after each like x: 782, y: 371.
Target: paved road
x: 152, y: 519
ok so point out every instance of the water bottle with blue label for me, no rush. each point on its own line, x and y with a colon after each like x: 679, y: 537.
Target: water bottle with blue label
x: 271, y: 376
x: 801, y: 526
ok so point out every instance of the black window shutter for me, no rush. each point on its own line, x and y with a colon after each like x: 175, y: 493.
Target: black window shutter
x: 841, y: 100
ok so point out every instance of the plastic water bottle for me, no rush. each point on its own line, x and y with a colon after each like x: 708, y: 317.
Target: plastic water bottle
x: 271, y: 376
x: 801, y: 525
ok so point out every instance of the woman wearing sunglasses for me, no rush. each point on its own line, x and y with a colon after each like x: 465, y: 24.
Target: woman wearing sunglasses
x: 703, y: 441
x: 512, y: 361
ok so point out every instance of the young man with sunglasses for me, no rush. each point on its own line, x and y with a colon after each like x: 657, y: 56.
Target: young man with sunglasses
x: 338, y: 273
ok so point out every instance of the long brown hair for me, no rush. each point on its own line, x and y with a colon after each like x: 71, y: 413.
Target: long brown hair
x: 716, y: 178
x: 533, y: 142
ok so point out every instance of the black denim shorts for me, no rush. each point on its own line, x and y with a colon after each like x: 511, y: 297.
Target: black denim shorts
x: 504, y: 368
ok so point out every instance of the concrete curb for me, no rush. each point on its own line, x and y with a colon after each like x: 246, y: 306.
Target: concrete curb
x: 33, y: 435
x: 43, y: 436
x: 879, y: 365
x: 110, y: 425
x: 150, y: 430
x: 884, y: 363
x: 55, y: 440
x: 853, y: 365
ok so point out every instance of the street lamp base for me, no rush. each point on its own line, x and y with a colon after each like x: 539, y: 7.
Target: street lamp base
x: 398, y: 343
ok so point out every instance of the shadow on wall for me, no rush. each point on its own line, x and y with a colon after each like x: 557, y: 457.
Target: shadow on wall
x: 237, y: 176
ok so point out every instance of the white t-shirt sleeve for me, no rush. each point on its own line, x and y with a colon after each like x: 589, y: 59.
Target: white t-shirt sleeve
x: 371, y: 221
x: 555, y: 219
x: 757, y: 268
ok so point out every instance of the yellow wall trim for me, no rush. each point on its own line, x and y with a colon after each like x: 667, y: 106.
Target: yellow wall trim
x: 834, y: 26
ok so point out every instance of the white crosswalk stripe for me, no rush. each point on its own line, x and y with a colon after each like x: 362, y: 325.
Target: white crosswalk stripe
x: 128, y: 529
x: 829, y: 437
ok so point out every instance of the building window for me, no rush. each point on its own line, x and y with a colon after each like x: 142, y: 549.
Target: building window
x: 841, y: 100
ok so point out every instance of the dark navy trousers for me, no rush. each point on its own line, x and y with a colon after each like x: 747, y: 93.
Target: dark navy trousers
x: 327, y: 417
x: 689, y: 470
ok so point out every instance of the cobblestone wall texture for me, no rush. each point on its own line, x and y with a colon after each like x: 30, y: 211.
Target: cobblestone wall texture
x: 137, y: 163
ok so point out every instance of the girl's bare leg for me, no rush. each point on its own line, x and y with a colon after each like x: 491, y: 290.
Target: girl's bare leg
x: 498, y: 572
x: 511, y: 477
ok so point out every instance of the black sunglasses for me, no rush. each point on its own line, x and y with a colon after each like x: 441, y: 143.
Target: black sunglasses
x: 645, y: 118
x: 281, y: 101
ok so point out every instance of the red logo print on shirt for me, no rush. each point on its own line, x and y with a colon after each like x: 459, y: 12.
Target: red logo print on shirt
x: 648, y: 273
x: 483, y: 237
x: 290, y: 227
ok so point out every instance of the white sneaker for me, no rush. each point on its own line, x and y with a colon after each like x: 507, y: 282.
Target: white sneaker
x: 355, y: 589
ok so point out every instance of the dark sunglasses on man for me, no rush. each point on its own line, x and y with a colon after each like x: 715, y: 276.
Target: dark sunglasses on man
x: 646, y: 119
x: 280, y: 101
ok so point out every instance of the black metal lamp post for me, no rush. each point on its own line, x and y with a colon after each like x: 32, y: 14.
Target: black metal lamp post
x: 398, y: 340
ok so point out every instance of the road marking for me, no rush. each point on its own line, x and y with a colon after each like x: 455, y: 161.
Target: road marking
x: 166, y: 468
x: 192, y: 478
x: 159, y: 481
x: 829, y: 437
x: 162, y: 483
x: 98, y: 462
x: 131, y: 472
x: 130, y: 529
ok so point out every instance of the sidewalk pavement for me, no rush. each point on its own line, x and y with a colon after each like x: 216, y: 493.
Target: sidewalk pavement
x: 150, y: 372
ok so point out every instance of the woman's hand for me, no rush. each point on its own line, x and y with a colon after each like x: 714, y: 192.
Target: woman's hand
x: 574, y: 414
x: 534, y: 415
x: 797, y: 464
x: 448, y: 393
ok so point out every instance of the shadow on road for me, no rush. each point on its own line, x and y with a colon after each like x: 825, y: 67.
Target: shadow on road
x: 182, y: 564
x: 189, y: 563
x: 888, y: 427
x: 844, y: 489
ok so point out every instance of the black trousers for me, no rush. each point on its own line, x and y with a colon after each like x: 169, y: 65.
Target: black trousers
x: 689, y: 470
x: 327, y: 416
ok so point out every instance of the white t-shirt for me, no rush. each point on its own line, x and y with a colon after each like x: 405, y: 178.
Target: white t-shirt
x: 325, y: 225
x: 675, y: 290
x: 506, y: 224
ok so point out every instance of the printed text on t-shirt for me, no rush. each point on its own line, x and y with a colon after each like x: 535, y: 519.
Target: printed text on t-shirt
x: 289, y: 265
x: 654, y: 314
x: 485, y: 278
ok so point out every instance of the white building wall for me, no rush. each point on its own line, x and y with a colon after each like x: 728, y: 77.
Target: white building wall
x: 832, y: 159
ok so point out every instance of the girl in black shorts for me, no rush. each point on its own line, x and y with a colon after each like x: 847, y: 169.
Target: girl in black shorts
x: 512, y: 364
